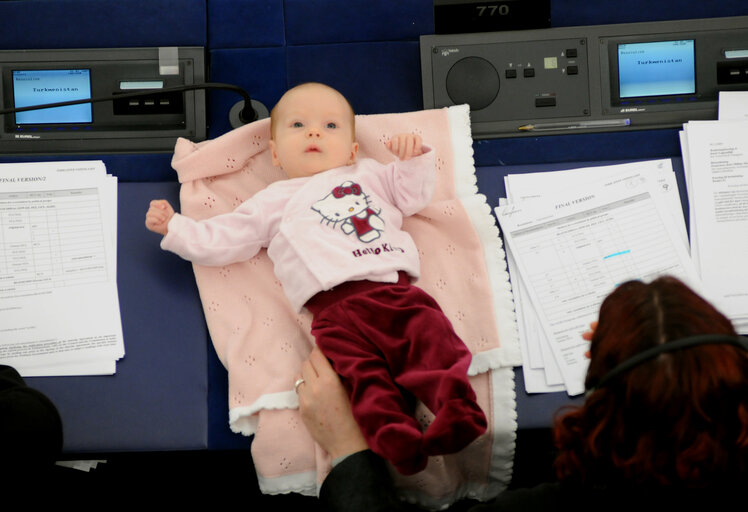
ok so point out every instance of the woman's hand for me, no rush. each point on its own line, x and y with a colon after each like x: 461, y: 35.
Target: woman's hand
x: 325, y: 408
x: 587, y: 335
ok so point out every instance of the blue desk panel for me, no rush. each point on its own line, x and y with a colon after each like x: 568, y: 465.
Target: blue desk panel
x: 158, y: 398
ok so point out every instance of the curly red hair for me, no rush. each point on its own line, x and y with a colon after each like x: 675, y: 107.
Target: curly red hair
x: 680, y: 419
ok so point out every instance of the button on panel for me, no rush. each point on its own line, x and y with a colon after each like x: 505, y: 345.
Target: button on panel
x: 548, y: 101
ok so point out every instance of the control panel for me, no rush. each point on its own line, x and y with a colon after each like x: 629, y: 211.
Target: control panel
x: 100, y: 82
x: 583, y: 79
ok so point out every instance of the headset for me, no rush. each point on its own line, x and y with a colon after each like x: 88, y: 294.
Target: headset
x: 679, y: 344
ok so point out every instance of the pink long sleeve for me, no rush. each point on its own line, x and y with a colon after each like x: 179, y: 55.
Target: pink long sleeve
x: 413, y: 182
x: 227, y: 238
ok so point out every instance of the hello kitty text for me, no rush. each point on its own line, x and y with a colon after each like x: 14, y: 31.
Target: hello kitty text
x: 377, y: 250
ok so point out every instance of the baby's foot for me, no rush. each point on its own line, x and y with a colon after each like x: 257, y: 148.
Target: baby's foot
x: 458, y: 423
x: 401, y: 445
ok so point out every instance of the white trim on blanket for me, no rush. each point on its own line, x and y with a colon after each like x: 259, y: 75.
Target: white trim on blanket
x: 505, y: 427
x: 482, y: 219
x: 302, y: 483
x: 243, y: 420
x: 490, y: 359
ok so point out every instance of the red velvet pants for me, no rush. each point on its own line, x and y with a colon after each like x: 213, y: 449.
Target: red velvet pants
x: 384, y: 338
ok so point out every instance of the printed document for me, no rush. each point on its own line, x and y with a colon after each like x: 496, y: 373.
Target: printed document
x: 59, y: 309
x: 716, y: 163
x: 572, y: 251
x: 541, y: 374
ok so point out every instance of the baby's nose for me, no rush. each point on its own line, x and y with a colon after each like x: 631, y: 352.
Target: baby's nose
x: 313, y: 133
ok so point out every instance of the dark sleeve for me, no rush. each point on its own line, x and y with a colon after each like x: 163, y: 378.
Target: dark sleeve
x: 30, y: 426
x: 360, y: 483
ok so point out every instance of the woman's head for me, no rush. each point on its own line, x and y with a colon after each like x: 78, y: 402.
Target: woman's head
x: 678, y: 418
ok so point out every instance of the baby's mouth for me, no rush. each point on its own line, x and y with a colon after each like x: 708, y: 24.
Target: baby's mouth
x: 312, y: 149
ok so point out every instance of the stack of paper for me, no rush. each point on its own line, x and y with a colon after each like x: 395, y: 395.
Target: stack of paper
x: 572, y: 237
x: 59, y: 309
x: 715, y: 160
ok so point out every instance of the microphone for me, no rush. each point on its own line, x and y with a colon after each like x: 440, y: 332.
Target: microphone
x: 243, y: 112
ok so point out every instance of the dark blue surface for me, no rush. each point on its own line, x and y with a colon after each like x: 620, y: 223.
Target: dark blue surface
x: 220, y: 436
x: 52, y: 24
x: 245, y: 23
x: 261, y: 71
x: 538, y: 411
x: 376, y: 77
x: 158, y: 398
x: 333, y: 21
x: 578, y: 148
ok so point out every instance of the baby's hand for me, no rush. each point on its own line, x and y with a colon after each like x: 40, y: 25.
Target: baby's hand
x: 158, y: 216
x: 405, y: 146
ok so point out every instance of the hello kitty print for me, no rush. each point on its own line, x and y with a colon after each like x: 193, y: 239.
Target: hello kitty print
x: 348, y: 206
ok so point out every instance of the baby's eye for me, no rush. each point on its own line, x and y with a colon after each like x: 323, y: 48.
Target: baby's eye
x: 297, y: 124
x: 332, y: 125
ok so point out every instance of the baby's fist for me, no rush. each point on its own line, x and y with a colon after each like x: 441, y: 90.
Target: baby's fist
x: 405, y: 146
x: 158, y: 216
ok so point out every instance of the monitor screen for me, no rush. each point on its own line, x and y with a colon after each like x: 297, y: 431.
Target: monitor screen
x: 659, y: 68
x: 41, y: 86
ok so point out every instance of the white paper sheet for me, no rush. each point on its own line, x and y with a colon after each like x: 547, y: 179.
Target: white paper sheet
x: 544, y: 185
x: 717, y: 172
x: 733, y: 105
x: 572, y: 252
x: 59, y: 308
x: 541, y: 371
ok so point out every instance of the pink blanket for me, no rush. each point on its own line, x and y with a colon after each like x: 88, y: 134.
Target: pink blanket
x: 262, y: 342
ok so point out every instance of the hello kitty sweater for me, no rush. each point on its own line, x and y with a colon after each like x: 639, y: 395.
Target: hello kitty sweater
x: 336, y: 226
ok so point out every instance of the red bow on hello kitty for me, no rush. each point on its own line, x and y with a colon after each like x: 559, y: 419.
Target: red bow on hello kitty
x: 353, y: 188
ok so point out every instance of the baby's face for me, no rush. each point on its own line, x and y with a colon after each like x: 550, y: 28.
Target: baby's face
x: 313, y: 132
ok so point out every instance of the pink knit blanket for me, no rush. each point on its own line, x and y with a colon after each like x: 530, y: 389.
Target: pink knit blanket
x: 262, y: 341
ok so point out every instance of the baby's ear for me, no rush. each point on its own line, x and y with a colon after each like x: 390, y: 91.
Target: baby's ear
x: 354, y: 152
x: 273, y: 153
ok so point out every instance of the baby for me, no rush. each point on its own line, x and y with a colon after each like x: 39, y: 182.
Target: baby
x: 333, y: 232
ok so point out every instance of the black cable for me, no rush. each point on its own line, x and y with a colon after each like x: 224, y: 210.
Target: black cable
x: 247, y: 114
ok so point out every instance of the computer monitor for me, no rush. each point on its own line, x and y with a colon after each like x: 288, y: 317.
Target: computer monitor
x: 656, y: 68
x: 41, y: 86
